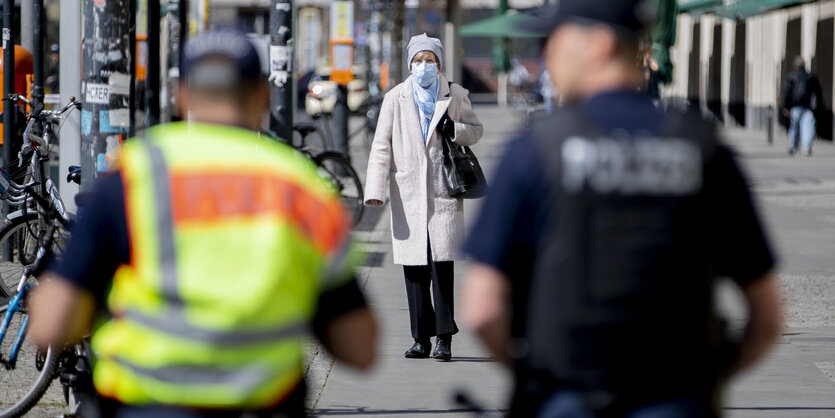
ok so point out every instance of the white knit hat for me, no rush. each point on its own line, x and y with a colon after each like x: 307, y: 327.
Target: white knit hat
x: 425, y: 43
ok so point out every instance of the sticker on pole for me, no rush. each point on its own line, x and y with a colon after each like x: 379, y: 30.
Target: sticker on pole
x: 119, y: 83
x: 280, y: 57
x: 120, y: 122
x: 97, y: 93
x: 86, y: 122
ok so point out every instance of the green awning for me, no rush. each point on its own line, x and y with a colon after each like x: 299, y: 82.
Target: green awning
x: 744, y: 9
x: 698, y: 6
x: 508, y: 25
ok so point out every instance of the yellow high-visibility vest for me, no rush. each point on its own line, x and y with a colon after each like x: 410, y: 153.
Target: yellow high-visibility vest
x: 232, y: 240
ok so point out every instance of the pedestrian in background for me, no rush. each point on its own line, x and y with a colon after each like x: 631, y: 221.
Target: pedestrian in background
x: 801, y: 99
x: 519, y: 79
x: 53, y: 79
x: 595, y: 254
x: 427, y: 224
x: 209, y: 267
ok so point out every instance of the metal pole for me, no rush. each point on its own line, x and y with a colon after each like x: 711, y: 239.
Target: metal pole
x: 452, y: 44
x: 152, y: 81
x: 409, y: 30
x: 340, y: 121
x: 27, y: 18
x: 37, y: 50
x: 395, y: 46
x: 375, y: 47
x: 70, y: 82
x: 770, y: 124
x: 8, y: 105
x: 281, y: 68
x: 8, y: 83
x: 177, y: 31
x: 131, y: 63
x: 108, y: 75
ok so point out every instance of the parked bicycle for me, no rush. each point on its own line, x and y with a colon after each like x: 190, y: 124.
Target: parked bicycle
x: 333, y: 166
x: 23, y: 177
x: 27, y: 371
x: 370, y: 111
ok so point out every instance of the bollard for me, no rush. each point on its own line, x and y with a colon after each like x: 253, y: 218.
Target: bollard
x: 770, y: 124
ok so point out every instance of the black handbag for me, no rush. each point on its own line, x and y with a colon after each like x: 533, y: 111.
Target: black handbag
x: 463, y: 176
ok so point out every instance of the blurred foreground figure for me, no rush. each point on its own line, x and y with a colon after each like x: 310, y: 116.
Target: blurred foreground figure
x: 596, y: 252
x: 212, y: 252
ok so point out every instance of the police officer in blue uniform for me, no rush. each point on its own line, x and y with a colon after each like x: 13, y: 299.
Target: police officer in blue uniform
x: 596, y: 253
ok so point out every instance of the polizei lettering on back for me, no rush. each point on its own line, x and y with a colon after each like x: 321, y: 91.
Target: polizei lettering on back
x: 648, y: 166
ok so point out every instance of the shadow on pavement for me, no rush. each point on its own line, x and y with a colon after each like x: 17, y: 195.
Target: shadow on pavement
x: 386, y: 412
x: 472, y: 360
x: 370, y: 217
x: 779, y: 408
x: 373, y: 259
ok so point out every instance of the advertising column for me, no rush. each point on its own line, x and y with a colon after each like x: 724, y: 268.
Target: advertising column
x: 106, y: 84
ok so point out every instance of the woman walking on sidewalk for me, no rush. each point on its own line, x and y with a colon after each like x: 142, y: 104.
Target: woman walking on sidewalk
x: 427, y: 224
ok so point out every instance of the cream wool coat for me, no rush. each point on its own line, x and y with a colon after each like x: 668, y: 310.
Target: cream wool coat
x: 420, y: 204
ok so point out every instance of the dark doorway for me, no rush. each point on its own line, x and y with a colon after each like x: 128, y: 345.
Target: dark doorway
x: 736, y: 96
x: 714, y: 75
x: 822, y: 67
x: 792, y: 51
x: 694, y: 69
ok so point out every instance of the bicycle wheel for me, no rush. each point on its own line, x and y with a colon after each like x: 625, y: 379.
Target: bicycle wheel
x: 334, y: 167
x: 19, y: 242
x: 27, y: 382
x: 314, y: 141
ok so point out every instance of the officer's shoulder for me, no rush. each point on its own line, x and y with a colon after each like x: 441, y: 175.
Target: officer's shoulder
x: 693, y: 124
x: 546, y: 125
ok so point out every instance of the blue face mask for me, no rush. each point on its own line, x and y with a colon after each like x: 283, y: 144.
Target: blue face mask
x: 424, y: 73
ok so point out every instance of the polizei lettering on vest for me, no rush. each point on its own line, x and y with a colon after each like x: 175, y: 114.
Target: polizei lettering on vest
x: 650, y: 166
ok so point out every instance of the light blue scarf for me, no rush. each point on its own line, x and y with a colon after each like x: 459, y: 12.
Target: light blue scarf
x: 425, y: 101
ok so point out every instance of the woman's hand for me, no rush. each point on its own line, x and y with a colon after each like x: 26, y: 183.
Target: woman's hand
x: 374, y: 202
x: 447, y: 127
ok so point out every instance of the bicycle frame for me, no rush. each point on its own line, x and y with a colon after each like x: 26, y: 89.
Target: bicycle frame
x: 15, y: 304
x: 13, y: 308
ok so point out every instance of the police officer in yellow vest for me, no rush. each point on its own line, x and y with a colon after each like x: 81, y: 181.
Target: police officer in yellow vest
x: 212, y: 252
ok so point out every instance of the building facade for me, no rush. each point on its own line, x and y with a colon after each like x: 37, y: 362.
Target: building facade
x: 732, y: 68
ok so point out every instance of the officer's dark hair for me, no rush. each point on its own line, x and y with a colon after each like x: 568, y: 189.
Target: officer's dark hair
x: 237, y: 92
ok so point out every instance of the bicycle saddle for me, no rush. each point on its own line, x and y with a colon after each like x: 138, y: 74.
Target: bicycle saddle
x: 74, y: 174
x: 304, y: 130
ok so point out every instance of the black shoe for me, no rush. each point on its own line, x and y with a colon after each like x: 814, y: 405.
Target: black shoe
x: 443, y: 349
x: 419, y: 350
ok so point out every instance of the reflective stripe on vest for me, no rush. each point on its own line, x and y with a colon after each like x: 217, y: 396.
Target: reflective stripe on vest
x: 168, y: 343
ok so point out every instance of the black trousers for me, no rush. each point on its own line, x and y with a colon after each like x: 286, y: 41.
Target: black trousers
x: 428, y: 320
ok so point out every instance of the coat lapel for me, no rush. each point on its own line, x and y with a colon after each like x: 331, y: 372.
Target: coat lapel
x: 409, y: 108
x: 441, y: 107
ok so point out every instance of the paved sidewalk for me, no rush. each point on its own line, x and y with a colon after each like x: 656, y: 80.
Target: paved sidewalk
x: 798, y: 200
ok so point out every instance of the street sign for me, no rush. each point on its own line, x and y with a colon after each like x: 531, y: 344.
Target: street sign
x: 342, y: 41
x: 342, y: 20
